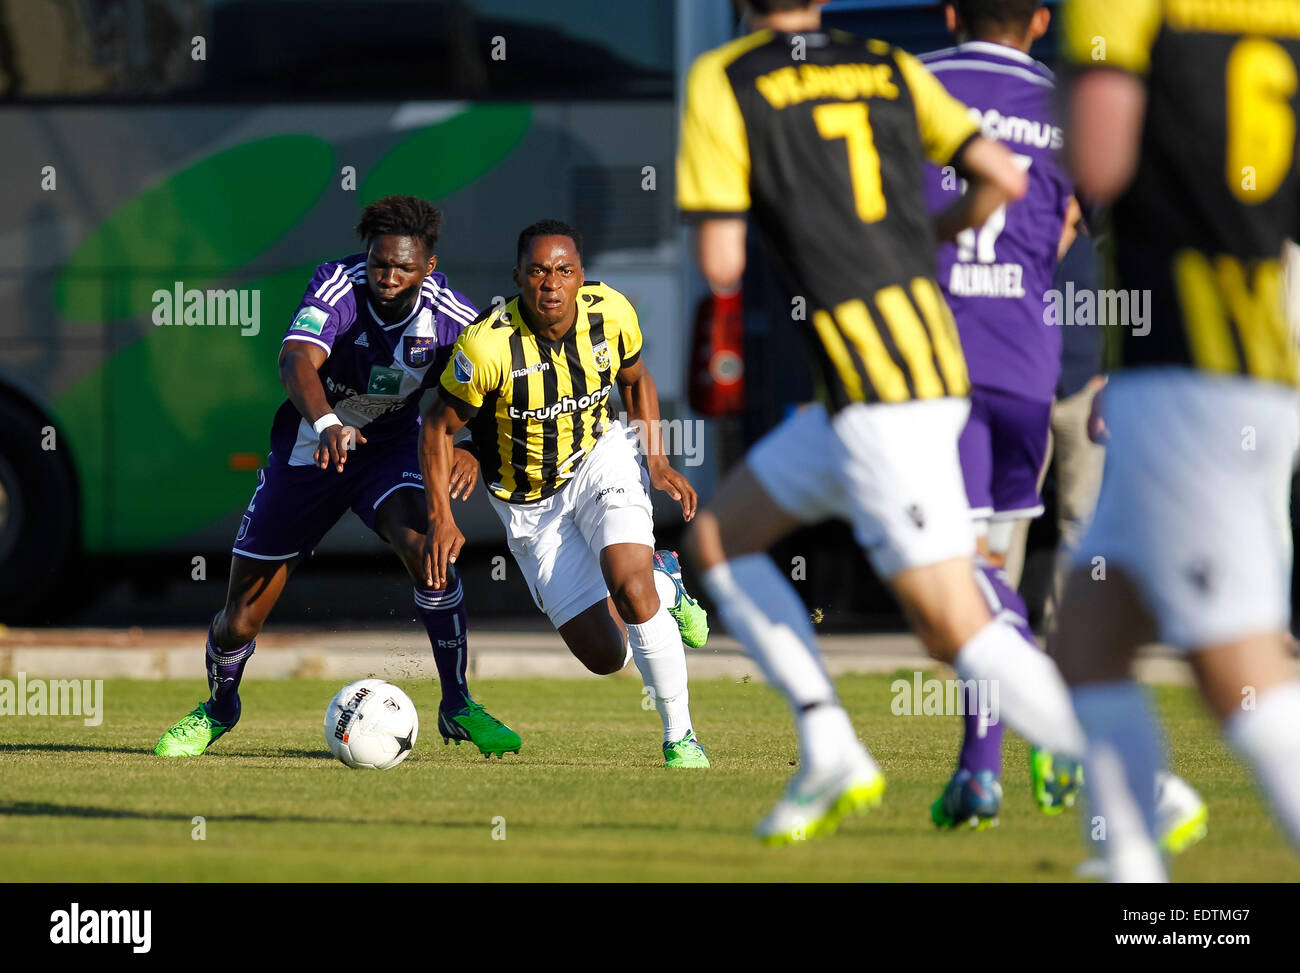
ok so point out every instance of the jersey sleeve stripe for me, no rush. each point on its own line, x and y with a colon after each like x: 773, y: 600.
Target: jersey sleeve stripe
x: 463, y: 408
x: 303, y: 337
x: 329, y: 281
x: 338, y: 290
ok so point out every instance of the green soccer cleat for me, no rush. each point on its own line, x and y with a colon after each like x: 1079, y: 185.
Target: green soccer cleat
x: 193, y: 734
x: 686, y: 753
x: 1056, y: 781
x: 689, y: 614
x: 479, y: 727
x: 969, y: 799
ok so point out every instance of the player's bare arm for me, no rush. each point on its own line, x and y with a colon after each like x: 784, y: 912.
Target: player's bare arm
x: 464, y: 474
x: 720, y: 252
x: 1070, y: 229
x: 1106, y: 113
x: 443, y: 540
x: 300, y: 362
x: 641, y: 399
x: 994, y: 179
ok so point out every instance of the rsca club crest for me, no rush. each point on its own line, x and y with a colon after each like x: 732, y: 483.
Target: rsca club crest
x: 419, y: 350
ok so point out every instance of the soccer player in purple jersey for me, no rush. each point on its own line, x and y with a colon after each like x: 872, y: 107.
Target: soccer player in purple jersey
x: 994, y: 277
x: 374, y: 332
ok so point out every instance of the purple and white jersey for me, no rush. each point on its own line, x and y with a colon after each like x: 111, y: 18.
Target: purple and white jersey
x: 375, y: 373
x: 995, y: 276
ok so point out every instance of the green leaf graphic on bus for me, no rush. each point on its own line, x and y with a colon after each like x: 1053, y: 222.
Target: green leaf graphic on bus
x: 202, y: 224
x: 436, y: 161
x: 182, y: 401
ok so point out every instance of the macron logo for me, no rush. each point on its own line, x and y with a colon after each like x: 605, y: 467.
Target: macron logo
x: 132, y: 926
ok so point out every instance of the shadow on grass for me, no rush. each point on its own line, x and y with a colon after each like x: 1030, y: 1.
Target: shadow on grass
x: 68, y: 748
x: 45, y: 809
x: 91, y: 748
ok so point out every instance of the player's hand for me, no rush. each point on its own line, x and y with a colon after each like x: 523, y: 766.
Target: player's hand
x: 442, y: 546
x: 334, y: 445
x: 1097, y: 429
x: 664, y: 477
x: 464, y: 473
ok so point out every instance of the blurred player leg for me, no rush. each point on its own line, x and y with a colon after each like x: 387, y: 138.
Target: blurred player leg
x: 1213, y: 577
x: 762, y: 610
x: 400, y: 520
x: 1101, y: 624
x: 1251, y: 688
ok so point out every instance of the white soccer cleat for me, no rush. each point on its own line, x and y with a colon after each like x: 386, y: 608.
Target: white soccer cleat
x: 815, y: 801
x: 1182, y: 819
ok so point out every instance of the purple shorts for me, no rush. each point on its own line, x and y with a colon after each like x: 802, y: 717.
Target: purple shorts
x: 1002, y: 451
x: 293, y: 506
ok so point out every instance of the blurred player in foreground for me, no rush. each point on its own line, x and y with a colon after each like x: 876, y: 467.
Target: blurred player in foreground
x: 533, y: 380
x: 823, y: 137
x: 994, y: 277
x: 372, y: 334
x: 1184, y: 115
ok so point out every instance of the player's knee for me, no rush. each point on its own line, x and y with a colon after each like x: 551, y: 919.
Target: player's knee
x: 635, y: 598
x: 235, y: 628
x: 606, y: 662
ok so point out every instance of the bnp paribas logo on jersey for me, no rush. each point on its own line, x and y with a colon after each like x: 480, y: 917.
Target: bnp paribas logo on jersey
x: 384, y: 381
x: 419, y: 349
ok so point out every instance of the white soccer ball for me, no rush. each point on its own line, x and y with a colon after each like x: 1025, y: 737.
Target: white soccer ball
x: 371, y: 725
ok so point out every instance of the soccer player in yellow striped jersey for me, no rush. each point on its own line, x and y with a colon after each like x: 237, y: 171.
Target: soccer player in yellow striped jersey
x: 821, y: 137
x: 1184, y: 116
x: 533, y: 379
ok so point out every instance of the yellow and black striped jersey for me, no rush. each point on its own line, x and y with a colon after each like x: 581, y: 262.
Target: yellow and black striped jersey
x: 823, y: 137
x: 535, y: 407
x: 1202, y: 225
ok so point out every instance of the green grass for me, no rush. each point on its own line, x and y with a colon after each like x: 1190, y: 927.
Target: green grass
x: 587, y: 799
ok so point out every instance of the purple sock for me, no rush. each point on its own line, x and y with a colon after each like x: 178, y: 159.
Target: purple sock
x: 447, y: 622
x: 225, y: 670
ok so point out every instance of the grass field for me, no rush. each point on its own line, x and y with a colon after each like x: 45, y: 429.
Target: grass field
x: 587, y: 799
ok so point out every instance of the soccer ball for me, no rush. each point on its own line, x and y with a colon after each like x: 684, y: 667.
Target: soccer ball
x: 371, y: 725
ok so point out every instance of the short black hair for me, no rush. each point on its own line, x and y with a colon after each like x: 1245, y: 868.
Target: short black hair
x: 981, y: 15
x: 778, y: 6
x: 401, y: 216
x: 546, y: 228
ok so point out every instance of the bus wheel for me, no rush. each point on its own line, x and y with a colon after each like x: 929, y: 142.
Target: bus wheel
x: 39, y: 520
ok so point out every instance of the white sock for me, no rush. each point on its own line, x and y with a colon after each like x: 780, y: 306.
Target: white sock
x: 1030, y: 691
x: 762, y: 610
x: 1124, y: 754
x: 1268, y: 739
x: 666, y: 589
x: 656, y: 646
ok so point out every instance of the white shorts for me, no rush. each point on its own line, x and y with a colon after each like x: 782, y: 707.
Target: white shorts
x: 890, y: 470
x: 1194, y: 501
x: 557, y: 541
